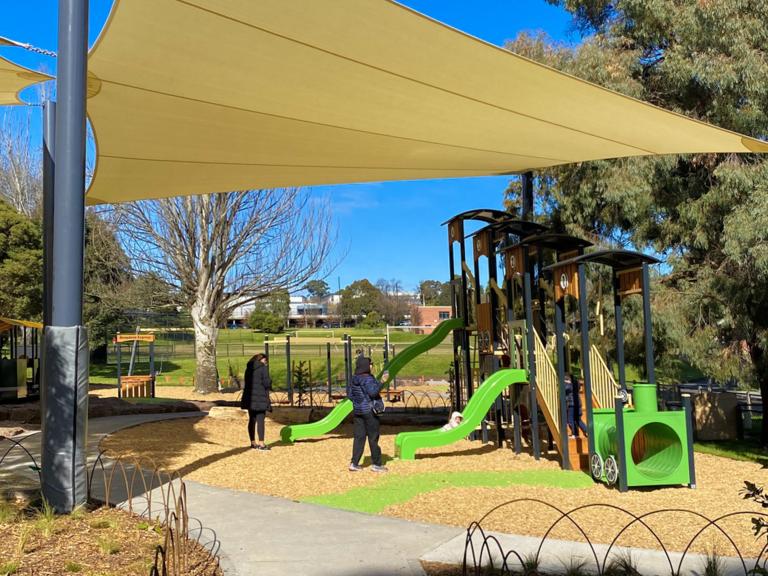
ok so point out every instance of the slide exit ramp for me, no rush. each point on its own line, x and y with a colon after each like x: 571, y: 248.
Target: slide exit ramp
x: 407, y: 443
x: 336, y: 416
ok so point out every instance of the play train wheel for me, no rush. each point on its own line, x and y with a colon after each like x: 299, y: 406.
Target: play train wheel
x: 596, y: 465
x: 611, y: 470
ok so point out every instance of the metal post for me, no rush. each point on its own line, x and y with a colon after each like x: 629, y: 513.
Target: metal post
x: 527, y: 199
x: 49, y: 130
x: 386, y: 351
x: 619, y: 333
x: 559, y: 314
x: 455, y: 313
x: 289, y: 375
x: 266, y: 349
x: 328, y: 370
x: 689, y: 437
x: 529, y: 335
x: 465, y: 352
x: 152, y: 366
x: 118, y: 351
x: 650, y: 372
x: 586, y: 368
x: 618, y: 406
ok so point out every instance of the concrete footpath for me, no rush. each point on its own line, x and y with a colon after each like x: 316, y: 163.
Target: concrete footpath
x: 265, y: 536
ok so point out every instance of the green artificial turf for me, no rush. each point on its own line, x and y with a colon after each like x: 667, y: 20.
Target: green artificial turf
x: 398, y: 489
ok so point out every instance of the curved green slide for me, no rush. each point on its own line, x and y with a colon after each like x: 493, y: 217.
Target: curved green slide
x: 406, y: 443
x: 336, y: 416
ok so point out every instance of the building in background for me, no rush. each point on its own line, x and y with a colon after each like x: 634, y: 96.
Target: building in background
x: 429, y: 317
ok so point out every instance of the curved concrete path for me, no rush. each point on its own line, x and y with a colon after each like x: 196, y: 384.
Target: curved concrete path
x: 264, y: 536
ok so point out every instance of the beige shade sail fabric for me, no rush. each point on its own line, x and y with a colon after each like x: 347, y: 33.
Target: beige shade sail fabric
x: 197, y: 96
x: 14, y: 78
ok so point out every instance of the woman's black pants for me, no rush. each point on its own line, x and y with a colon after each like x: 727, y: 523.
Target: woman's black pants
x: 256, y: 417
x: 366, y: 426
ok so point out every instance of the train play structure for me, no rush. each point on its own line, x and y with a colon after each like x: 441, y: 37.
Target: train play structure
x: 521, y: 334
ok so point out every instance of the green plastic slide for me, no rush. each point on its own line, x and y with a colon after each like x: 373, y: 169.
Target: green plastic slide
x: 406, y: 443
x: 336, y: 416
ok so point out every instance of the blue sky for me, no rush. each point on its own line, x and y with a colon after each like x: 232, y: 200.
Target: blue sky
x: 386, y: 230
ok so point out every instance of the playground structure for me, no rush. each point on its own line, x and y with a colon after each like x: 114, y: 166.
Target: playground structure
x: 505, y: 376
x: 132, y: 385
x: 20, y: 362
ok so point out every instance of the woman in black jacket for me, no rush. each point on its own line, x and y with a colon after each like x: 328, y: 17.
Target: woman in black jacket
x: 257, y: 385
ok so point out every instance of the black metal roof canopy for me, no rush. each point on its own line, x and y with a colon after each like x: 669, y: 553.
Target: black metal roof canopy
x: 555, y: 241
x: 488, y: 215
x: 616, y: 259
x: 520, y: 228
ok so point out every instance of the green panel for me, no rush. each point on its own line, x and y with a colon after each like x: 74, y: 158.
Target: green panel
x: 655, y: 442
x: 395, y: 489
x: 344, y: 409
x: 406, y: 443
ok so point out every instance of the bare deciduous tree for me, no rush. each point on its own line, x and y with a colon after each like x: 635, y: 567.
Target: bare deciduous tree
x: 222, y: 251
x: 20, y: 164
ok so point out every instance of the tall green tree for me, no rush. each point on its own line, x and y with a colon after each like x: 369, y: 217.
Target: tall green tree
x: 707, y: 213
x: 359, y: 299
x: 435, y: 293
x: 21, y: 265
x: 317, y: 288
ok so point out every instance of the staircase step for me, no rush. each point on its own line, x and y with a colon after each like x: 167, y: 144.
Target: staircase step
x: 578, y: 453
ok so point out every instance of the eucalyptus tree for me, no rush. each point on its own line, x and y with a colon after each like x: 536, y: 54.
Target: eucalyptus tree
x: 708, y: 214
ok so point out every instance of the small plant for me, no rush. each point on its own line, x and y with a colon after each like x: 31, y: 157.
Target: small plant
x: 530, y: 564
x: 24, y: 536
x: 79, y: 513
x: 9, y: 568
x: 101, y: 524
x: 8, y: 513
x: 46, y: 519
x: 575, y: 567
x: 109, y: 546
x: 757, y: 494
x: 73, y: 567
x: 622, y: 565
x: 713, y: 565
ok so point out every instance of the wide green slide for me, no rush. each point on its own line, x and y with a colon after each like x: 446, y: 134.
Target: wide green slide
x: 336, y: 416
x: 406, y: 443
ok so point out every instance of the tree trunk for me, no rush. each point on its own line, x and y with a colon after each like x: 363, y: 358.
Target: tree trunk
x: 206, y: 335
x: 760, y: 365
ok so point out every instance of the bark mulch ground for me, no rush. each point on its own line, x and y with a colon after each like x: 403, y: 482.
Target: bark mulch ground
x: 104, y: 541
x: 216, y: 452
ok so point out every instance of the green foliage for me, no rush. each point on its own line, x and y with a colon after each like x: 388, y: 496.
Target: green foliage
x: 372, y: 320
x: 71, y: 566
x: 317, y: 288
x: 266, y: 321
x: 435, y: 293
x: 9, y: 568
x: 708, y: 214
x: 359, y: 299
x: 21, y: 265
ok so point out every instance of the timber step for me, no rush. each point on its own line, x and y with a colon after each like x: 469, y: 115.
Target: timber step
x: 578, y: 453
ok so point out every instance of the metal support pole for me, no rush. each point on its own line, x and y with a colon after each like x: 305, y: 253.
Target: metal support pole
x: 456, y: 336
x: 527, y: 199
x: 465, y: 351
x: 386, y: 352
x: 289, y: 375
x: 586, y: 368
x: 618, y: 406
x: 152, y: 366
x: 559, y: 328
x: 64, y: 472
x: 266, y: 349
x: 328, y: 370
x: 118, y: 353
x: 689, y: 437
x: 650, y: 372
x: 49, y: 131
x: 530, y: 339
x: 619, y: 333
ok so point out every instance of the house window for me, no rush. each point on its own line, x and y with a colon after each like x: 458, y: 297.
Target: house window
x: 443, y: 315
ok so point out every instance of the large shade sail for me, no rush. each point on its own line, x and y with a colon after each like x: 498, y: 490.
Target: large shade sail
x: 195, y: 96
x: 13, y: 79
